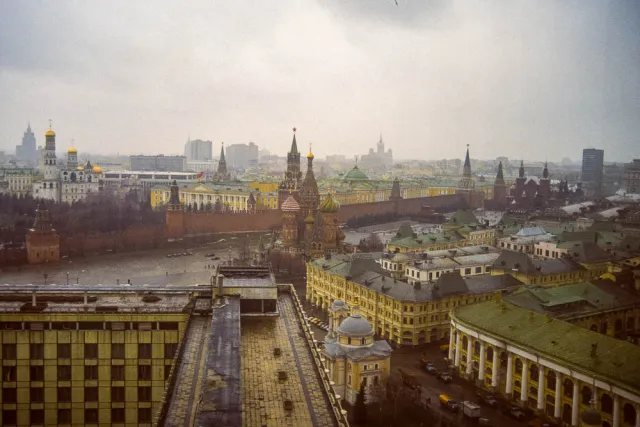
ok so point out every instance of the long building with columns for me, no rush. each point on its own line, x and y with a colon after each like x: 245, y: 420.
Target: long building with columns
x: 550, y: 365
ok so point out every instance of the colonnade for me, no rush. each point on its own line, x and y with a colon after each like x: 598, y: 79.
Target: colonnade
x: 567, y: 383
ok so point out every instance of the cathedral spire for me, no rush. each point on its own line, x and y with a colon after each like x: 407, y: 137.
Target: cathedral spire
x: 466, y: 172
x: 521, y: 171
x: 545, y: 171
x: 222, y: 173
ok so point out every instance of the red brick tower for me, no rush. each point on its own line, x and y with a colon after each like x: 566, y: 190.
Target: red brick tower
x: 43, y: 243
x: 174, y: 216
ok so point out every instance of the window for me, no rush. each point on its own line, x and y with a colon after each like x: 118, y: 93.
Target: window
x: 9, y: 417
x: 117, y: 415
x: 36, y: 394
x: 467, y: 271
x: 144, y: 415
x: 91, y: 351
x: 90, y: 372
x: 364, y: 381
x: 64, y: 416
x: 36, y: 351
x: 144, y: 372
x: 90, y: 416
x: 117, y: 373
x: 144, y: 394
x: 117, y: 394
x: 117, y: 351
x: 91, y: 394
x: 170, y: 350
x: 8, y: 395
x: 64, y: 373
x: 64, y: 351
x: 478, y: 270
x: 144, y: 351
x: 64, y: 394
x: 8, y: 374
x: 348, y: 380
x: 36, y: 373
x: 37, y: 416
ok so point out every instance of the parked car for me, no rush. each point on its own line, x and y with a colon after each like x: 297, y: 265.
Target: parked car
x: 448, y: 403
x: 431, y: 369
x: 516, y: 413
x: 470, y: 410
x: 444, y: 377
x: 488, y: 399
x: 210, y: 254
x: 216, y: 258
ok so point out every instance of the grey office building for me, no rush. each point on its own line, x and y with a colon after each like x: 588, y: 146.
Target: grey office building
x: 198, y: 150
x: 592, y: 169
x: 158, y: 163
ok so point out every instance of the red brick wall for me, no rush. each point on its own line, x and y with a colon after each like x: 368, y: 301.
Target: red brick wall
x: 131, y: 239
x: 405, y: 206
x: 216, y: 222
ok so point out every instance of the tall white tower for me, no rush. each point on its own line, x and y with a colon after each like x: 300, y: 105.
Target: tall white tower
x: 51, y: 172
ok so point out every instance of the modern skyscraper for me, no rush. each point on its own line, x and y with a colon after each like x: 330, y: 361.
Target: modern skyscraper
x: 242, y: 156
x: 592, y: 166
x: 198, y: 150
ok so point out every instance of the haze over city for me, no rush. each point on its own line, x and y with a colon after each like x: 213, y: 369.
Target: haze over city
x: 519, y: 79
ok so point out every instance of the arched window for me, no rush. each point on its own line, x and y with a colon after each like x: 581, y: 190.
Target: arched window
x: 465, y: 340
x: 476, y: 348
x: 606, y: 403
x: 551, y: 380
x: 490, y: 354
x: 629, y: 414
x: 533, y: 390
x: 518, y: 366
x: 533, y: 372
x: 568, y: 388
x: 586, y: 395
x: 349, y: 340
x: 363, y: 341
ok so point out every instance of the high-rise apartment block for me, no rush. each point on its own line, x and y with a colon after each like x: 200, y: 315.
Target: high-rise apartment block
x: 242, y: 156
x: 198, y: 150
x: 27, y: 150
x: 592, y: 167
x: 632, y: 177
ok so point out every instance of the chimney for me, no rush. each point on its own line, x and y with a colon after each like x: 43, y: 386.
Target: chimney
x: 594, y: 350
x: 220, y: 281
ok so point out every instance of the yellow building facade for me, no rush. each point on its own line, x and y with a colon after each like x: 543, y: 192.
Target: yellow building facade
x: 399, y: 312
x: 76, y: 369
x: 233, y: 197
x: 546, y: 364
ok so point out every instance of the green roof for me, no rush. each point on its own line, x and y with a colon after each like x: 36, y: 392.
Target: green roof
x: 356, y: 174
x: 559, y: 341
x: 426, y: 240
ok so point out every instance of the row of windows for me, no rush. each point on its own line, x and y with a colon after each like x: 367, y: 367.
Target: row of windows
x: 36, y: 351
x: 36, y: 416
x: 36, y: 394
x: 89, y: 326
x: 36, y: 373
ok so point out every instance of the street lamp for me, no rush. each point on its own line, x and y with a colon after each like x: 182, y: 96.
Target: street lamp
x: 45, y: 275
x: 67, y: 278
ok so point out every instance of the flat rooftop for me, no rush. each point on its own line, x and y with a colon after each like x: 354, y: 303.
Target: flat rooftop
x: 263, y: 394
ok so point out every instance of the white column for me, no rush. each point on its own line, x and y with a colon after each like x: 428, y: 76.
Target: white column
x: 558, y: 404
x: 458, y: 349
x: 469, y: 356
x: 524, y: 390
x: 451, y: 343
x: 482, y: 362
x: 575, y: 404
x: 495, y: 371
x: 541, y: 388
x: 509, y: 386
x: 616, y: 410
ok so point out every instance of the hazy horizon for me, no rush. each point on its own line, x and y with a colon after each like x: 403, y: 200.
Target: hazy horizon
x: 519, y: 79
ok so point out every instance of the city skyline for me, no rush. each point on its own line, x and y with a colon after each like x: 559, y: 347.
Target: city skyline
x: 536, y: 86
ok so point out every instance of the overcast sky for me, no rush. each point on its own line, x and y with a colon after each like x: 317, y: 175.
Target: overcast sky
x: 530, y: 79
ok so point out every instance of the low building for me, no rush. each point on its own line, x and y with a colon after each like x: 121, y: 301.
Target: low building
x: 214, y: 197
x: 549, y: 272
x: 546, y: 364
x: 525, y: 239
x: 19, y: 181
x: 353, y: 356
x: 402, y: 313
x: 159, y: 162
x: 599, y: 305
x: 256, y: 286
x: 586, y: 253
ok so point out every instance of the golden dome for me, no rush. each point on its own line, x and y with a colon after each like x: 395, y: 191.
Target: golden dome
x: 80, y: 168
x: 72, y: 150
x: 50, y: 132
x: 310, y: 155
x: 330, y: 204
x: 97, y: 169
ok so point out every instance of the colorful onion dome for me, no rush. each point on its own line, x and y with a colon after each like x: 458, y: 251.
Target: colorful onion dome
x: 290, y: 205
x: 329, y: 204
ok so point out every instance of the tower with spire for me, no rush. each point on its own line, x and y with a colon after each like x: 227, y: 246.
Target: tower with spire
x: 521, y: 180
x: 466, y: 185
x: 27, y: 150
x: 292, y: 180
x: 222, y: 174
x: 500, y: 188
x: 544, y: 188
